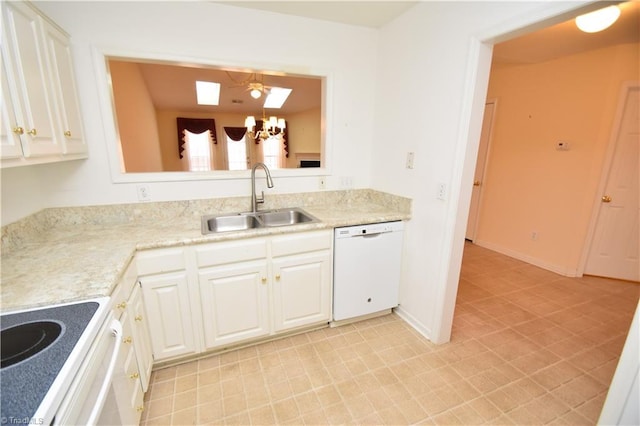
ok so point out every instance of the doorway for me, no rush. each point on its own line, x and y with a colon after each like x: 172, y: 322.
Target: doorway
x: 551, y: 135
x: 481, y: 51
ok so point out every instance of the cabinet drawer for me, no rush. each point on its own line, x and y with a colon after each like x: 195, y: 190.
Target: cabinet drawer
x: 230, y: 252
x: 160, y: 261
x: 301, y: 243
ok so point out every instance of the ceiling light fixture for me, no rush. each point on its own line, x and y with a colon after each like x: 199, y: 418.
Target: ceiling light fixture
x: 274, y: 126
x: 598, y: 20
x: 256, y: 89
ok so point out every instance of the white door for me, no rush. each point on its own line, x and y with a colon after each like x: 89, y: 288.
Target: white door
x: 142, y: 341
x: 235, y: 303
x: 166, y: 301
x: 301, y: 290
x: 485, y: 137
x: 10, y: 130
x: 614, y: 249
x: 64, y: 85
x: 30, y: 69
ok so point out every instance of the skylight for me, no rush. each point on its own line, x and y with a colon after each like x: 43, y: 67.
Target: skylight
x: 277, y: 97
x: 207, y: 92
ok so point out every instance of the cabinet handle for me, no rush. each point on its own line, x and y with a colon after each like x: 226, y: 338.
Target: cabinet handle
x: 68, y: 133
x: 140, y: 408
x: 264, y: 280
x: 121, y: 305
x: 134, y: 376
x: 277, y: 276
x: 18, y: 130
x: 127, y: 339
x: 33, y: 132
x: 138, y: 318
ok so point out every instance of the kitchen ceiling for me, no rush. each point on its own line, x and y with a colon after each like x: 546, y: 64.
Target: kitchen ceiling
x: 566, y: 39
x: 171, y: 90
x: 373, y: 14
x: 172, y: 87
x: 539, y: 46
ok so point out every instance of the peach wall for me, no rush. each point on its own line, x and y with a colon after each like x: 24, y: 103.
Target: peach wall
x: 304, y: 133
x: 530, y: 186
x: 136, y: 118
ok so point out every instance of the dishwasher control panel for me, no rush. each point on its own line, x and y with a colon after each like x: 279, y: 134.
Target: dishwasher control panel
x: 370, y: 229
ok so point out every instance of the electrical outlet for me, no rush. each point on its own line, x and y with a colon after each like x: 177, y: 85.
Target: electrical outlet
x: 534, y: 235
x: 410, y: 158
x: 346, y: 182
x: 144, y: 194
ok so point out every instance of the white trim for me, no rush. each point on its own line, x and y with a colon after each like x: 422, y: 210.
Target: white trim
x: 621, y: 405
x: 105, y: 102
x: 413, y: 322
x: 561, y: 270
x: 625, y: 89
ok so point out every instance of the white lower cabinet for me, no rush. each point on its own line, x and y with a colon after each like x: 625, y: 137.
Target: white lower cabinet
x: 141, y: 336
x: 166, y: 301
x: 301, y: 290
x: 128, y: 388
x: 235, y: 303
x: 131, y: 380
x: 215, y: 295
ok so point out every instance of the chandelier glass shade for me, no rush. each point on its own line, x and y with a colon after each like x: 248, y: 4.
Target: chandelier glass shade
x: 274, y: 126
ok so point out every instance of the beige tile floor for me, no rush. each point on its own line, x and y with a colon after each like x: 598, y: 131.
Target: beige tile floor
x: 528, y: 347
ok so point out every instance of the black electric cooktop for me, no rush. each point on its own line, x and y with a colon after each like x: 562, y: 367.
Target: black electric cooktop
x: 35, y: 346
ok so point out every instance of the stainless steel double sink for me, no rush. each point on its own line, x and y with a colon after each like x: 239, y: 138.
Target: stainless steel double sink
x: 213, y: 224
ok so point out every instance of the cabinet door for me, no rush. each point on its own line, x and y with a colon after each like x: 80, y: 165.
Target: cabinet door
x: 9, y: 129
x: 22, y: 32
x: 126, y: 379
x: 64, y: 85
x: 302, y: 289
x: 166, y: 302
x: 234, y: 303
x: 141, y: 337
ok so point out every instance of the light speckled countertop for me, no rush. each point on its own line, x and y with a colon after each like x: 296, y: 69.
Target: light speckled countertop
x: 69, y: 254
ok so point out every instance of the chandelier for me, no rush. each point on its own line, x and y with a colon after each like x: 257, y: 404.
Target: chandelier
x: 274, y: 126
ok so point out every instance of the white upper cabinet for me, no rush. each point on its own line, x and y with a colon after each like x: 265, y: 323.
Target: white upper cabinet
x: 10, y: 147
x: 64, y: 85
x: 40, y: 99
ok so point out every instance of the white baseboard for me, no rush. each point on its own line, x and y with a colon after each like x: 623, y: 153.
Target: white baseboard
x: 413, y: 322
x: 562, y: 270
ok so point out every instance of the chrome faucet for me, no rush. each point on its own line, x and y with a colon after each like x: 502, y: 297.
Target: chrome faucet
x: 254, y: 199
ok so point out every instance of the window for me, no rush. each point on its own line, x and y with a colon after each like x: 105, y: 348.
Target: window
x: 271, y: 152
x: 198, y: 150
x: 237, y: 154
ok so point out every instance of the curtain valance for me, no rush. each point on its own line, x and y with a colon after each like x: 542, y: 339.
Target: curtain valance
x: 196, y: 126
x: 235, y: 133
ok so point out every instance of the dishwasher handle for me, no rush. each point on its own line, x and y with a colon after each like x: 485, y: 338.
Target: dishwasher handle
x: 370, y: 235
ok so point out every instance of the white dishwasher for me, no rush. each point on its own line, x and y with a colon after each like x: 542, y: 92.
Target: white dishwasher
x: 366, y: 269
